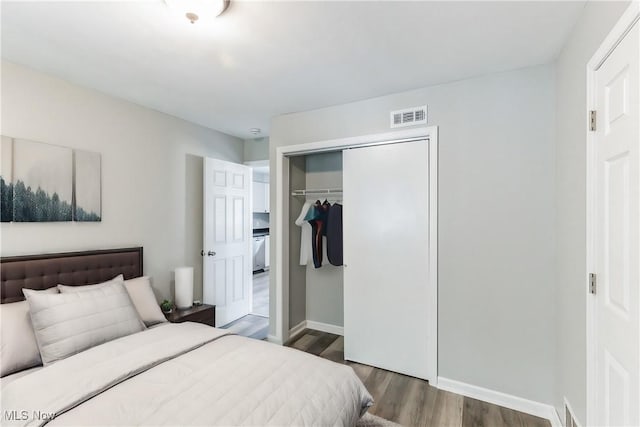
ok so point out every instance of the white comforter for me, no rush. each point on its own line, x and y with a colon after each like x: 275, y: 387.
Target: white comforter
x: 187, y: 374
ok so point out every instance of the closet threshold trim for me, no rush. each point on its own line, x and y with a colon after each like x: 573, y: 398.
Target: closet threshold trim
x: 317, y: 191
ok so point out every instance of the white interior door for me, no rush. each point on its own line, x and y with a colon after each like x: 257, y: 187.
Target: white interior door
x: 617, y: 237
x: 227, y: 260
x: 386, y: 256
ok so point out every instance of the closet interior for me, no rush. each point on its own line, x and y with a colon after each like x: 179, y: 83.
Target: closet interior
x: 315, y: 288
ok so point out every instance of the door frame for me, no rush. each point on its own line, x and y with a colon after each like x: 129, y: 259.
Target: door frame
x: 624, y: 25
x: 281, y: 221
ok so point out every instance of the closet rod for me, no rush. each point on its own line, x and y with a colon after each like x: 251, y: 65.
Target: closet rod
x: 317, y: 191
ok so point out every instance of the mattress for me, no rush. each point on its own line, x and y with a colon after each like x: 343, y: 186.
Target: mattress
x: 187, y: 374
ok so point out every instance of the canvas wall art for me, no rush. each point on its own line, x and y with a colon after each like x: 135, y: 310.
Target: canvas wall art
x: 48, y: 183
x: 6, y: 185
x: 87, y: 186
x: 42, y: 182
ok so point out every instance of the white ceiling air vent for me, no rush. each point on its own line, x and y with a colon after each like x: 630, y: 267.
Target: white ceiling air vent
x: 409, y: 117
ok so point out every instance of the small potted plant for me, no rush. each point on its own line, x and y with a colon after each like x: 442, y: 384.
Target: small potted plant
x: 166, y: 306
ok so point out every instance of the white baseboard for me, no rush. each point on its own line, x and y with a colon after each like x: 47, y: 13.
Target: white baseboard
x: 554, y: 418
x: 516, y: 403
x: 318, y: 326
x: 573, y: 414
x: 325, y: 327
x: 297, y: 330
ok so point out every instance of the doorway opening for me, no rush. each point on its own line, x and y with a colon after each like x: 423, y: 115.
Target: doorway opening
x: 261, y: 239
x: 255, y: 324
x: 286, y: 173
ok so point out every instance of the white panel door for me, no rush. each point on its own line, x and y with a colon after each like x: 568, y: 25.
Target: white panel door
x: 617, y: 237
x: 228, y: 259
x: 386, y: 256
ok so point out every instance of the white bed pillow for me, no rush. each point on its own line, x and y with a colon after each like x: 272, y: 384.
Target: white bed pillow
x: 140, y: 292
x: 144, y: 300
x: 18, y: 347
x: 66, y: 324
x: 66, y: 288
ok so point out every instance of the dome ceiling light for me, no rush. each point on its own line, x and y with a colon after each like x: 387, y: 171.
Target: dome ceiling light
x: 195, y: 10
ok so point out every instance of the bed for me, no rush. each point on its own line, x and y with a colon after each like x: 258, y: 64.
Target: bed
x: 166, y: 374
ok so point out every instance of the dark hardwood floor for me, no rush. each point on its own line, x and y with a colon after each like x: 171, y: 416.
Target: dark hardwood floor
x: 405, y: 400
x: 413, y: 402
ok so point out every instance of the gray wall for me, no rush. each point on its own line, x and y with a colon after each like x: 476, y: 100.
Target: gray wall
x: 325, y: 302
x: 297, y: 273
x: 597, y: 20
x: 256, y: 149
x: 496, y: 218
x: 151, y: 172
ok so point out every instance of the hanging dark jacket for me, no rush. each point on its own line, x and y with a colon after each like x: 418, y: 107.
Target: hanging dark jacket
x: 334, y: 234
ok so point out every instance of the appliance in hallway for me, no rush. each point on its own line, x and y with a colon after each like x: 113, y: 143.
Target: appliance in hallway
x: 260, y: 301
x: 260, y: 250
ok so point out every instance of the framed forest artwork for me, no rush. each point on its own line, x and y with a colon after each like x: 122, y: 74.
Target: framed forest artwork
x: 48, y: 183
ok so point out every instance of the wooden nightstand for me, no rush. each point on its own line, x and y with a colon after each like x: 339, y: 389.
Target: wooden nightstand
x: 202, y: 314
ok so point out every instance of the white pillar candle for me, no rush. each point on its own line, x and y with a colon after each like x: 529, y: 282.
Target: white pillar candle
x: 184, y: 287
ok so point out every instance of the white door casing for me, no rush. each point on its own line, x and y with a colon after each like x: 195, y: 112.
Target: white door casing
x: 227, y: 262
x: 279, y: 322
x: 386, y: 253
x: 614, y: 235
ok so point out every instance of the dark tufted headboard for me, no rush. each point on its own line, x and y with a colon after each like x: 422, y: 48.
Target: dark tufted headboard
x: 70, y: 268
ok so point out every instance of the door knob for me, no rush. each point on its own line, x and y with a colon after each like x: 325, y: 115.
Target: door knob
x: 211, y: 253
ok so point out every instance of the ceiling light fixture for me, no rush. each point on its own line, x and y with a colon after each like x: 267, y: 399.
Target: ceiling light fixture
x: 255, y: 131
x: 199, y: 9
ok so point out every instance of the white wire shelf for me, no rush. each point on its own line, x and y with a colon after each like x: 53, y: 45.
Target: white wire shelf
x: 318, y: 191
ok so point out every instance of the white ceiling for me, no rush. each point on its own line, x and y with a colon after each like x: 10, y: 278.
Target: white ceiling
x: 261, y: 59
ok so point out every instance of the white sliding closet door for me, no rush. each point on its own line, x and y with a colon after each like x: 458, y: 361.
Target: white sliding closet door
x: 386, y: 255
